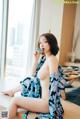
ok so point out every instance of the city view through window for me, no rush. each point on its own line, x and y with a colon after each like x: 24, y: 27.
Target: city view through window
x: 19, y: 20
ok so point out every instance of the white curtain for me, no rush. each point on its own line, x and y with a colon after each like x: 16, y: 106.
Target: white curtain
x: 34, y: 34
x: 76, y: 37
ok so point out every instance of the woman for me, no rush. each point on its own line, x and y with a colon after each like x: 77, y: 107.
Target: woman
x: 41, y: 92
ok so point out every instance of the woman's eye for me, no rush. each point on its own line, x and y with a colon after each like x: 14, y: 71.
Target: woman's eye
x: 45, y: 41
x: 39, y: 43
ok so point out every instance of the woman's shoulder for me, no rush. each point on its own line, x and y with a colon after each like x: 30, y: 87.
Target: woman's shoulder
x: 53, y: 59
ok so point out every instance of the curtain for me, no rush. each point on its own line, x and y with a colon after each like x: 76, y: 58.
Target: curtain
x: 76, y: 37
x: 34, y: 33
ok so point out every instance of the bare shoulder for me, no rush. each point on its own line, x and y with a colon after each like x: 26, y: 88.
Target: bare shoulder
x: 53, y: 64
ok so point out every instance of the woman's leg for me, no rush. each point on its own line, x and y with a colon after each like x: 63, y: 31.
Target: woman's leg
x: 30, y: 104
x: 12, y: 111
x: 20, y: 115
x: 30, y: 115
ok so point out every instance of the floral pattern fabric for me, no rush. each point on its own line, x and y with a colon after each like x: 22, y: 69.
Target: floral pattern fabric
x: 31, y: 88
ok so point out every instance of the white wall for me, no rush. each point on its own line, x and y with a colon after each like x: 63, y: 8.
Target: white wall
x: 51, y: 17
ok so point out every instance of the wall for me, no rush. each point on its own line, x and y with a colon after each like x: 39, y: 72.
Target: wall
x: 51, y: 18
x: 67, y: 31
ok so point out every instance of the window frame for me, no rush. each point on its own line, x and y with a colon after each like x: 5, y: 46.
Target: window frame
x: 4, y: 37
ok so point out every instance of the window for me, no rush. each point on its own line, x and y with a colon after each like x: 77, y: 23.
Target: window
x: 19, y: 21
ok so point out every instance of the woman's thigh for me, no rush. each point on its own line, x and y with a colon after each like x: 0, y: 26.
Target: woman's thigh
x: 32, y: 104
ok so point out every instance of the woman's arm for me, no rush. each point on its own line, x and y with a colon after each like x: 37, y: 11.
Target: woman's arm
x: 35, y: 62
x: 34, y: 66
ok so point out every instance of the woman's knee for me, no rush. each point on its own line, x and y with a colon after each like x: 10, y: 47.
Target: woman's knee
x: 15, y: 100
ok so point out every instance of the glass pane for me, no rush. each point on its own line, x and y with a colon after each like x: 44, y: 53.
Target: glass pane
x: 19, y: 20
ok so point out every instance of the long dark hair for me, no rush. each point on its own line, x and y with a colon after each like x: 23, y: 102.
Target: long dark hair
x: 52, y: 41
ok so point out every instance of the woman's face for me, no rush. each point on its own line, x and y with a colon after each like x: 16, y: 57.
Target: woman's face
x: 44, y: 45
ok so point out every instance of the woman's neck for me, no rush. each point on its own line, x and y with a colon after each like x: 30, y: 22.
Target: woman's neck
x: 48, y: 54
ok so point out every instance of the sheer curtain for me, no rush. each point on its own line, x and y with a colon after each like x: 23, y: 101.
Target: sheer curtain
x: 34, y: 34
x: 76, y: 37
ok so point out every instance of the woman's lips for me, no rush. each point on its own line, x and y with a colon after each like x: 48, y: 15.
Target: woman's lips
x: 43, y: 50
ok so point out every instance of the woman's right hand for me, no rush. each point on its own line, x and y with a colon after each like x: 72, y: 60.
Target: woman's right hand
x: 9, y: 92
x: 36, y: 55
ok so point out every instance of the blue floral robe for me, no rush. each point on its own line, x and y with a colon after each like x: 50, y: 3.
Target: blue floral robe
x: 31, y: 88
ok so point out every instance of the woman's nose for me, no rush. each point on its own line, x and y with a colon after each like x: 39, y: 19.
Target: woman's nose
x: 41, y: 45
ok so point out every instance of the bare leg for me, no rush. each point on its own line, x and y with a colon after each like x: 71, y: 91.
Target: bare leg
x: 20, y: 115
x: 12, y: 110
x: 30, y: 116
x: 30, y: 104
